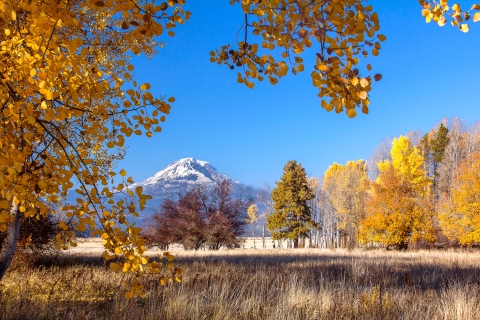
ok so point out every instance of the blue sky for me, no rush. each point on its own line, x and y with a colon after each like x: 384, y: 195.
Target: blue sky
x: 249, y: 134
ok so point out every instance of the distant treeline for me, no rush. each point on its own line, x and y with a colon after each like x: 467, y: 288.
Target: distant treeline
x: 417, y: 190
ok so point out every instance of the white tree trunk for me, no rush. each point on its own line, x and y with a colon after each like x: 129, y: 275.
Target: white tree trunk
x: 10, y: 245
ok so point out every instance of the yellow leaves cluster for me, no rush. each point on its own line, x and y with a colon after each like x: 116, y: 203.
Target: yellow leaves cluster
x: 438, y: 12
x: 398, y: 209
x: 336, y: 31
x: 69, y: 101
x: 460, y: 217
x: 346, y: 188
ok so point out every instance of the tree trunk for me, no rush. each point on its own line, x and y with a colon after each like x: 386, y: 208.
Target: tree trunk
x: 10, y: 245
x: 253, y: 236
x: 295, y: 243
x: 263, y: 237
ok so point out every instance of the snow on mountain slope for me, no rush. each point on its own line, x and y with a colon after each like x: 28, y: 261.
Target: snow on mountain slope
x: 187, y: 173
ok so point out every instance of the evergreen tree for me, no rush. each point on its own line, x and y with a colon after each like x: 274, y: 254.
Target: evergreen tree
x: 291, y: 218
x: 425, y: 149
x: 437, y: 148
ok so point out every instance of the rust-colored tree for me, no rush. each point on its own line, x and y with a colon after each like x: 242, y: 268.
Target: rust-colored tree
x: 200, y: 216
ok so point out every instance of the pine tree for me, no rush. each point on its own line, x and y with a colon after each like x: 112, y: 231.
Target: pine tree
x: 437, y: 148
x: 291, y: 218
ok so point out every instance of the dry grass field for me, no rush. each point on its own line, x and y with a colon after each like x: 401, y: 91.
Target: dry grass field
x: 255, y: 284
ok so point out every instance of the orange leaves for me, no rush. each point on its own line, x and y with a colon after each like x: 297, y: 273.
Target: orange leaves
x: 439, y: 12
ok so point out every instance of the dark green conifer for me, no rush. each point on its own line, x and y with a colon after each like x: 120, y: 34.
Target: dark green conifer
x: 291, y: 218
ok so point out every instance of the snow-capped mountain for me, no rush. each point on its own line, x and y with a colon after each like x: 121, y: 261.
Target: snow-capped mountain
x: 187, y: 173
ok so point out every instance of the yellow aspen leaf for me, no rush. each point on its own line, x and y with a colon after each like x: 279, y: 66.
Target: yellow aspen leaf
x: 178, y: 279
x: 14, y: 15
x: 7, y: 32
x: 363, y: 95
x: 354, y: 81
x: 351, y: 113
x: 464, y: 27
x: 115, y: 266
x: 442, y: 21
x: 381, y: 37
x: 364, y: 82
x: 369, y: 67
x: 33, y: 72
x: 163, y: 281
x: 123, y: 173
x: 476, y: 17
x: 22, y: 209
x: 171, y: 99
x: 282, y: 69
x: 171, y: 33
x: 43, y: 105
x: 129, y: 295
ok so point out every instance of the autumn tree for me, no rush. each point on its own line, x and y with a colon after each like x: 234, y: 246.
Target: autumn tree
x: 292, y: 216
x: 264, y: 198
x: 69, y: 101
x: 398, y: 210
x: 315, y: 207
x: 346, y: 186
x: 252, y: 220
x: 460, y: 218
x: 197, y: 217
x: 455, y: 153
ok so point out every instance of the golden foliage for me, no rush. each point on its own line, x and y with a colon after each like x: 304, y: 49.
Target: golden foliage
x: 346, y: 187
x: 69, y: 100
x: 460, y: 219
x: 398, y: 209
x: 438, y: 12
x: 340, y: 31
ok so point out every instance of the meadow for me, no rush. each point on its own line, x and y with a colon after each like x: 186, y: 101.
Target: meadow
x: 254, y: 284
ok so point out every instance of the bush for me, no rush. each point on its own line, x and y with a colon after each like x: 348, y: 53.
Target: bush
x: 37, y: 235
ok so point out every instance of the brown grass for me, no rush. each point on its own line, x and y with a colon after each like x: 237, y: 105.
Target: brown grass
x: 257, y: 284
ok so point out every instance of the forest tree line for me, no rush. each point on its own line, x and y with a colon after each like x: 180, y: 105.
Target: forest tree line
x: 417, y: 190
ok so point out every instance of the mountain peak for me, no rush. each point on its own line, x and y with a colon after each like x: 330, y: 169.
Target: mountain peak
x: 184, y: 174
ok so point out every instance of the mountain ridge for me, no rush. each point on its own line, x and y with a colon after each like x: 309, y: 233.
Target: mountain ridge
x: 187, y: 173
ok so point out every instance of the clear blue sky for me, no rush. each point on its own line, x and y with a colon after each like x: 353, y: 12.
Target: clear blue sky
x: 428, y: 73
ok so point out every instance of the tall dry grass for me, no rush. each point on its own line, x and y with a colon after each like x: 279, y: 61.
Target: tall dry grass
x: 257, y: 284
